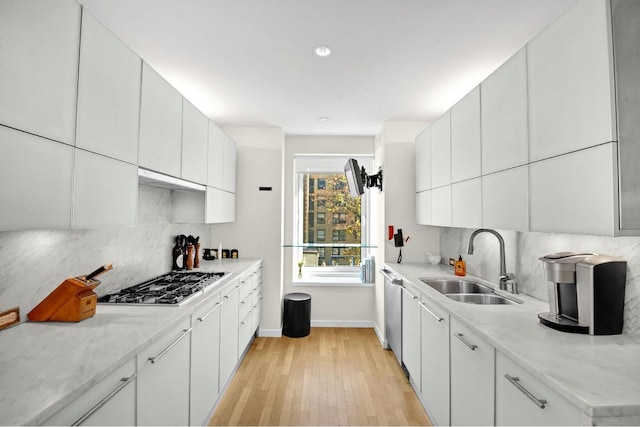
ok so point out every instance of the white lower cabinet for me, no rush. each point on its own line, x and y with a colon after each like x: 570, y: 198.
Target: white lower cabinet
x: 521, y: 399
x: 435, y: 362
x: 163, y: 379
x: 205, y: 358
x: 110, y: 402
x: 411, y: 335
x: 244, y: 313
x: 472, y: 377
x: 229, y: 331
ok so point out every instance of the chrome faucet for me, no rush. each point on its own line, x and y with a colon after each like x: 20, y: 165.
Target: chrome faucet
x: 507, y: 280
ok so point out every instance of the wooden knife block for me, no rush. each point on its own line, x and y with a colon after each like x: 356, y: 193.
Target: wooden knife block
x: 72, y: 301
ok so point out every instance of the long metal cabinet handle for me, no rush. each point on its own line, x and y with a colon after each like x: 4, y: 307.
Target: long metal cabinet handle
x: 516, y: 382
x: 163, y: 352
x: 435, y: 316
x: 393, y: 280
x: 209, y: 313
x: 123, y: 384
x: 464, y: 340
x: 409, y: 293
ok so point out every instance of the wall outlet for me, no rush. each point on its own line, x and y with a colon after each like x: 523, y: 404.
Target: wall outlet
x: 9, y: 317
x: 452, y: 261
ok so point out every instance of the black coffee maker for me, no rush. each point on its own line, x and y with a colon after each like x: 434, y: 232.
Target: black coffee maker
x: 586, y: 292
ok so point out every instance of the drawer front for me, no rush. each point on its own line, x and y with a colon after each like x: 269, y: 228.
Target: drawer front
x: 245, y: 333
x: 522, y: 399
x: 245, y: 286
x: 244, y: 307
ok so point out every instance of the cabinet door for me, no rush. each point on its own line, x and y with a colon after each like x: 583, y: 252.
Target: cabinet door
x: 505, y: 140
x: 435, y: 362
x: 215, y: 157
x: 472, y: 377
x: 441, y: 206
x: 570, y: 74
x: 256, y: 312
x: 423, y: 207
x: 213, y: 205
x: 229, y: 169
x: 111, y: 402
x: 35, y: 182
x: 466, y: 204
x: 441, y: 151
x: 229, y: 332
x: 521, y: 399
x: 39, y: 72
x: 160, y: 124
x: 195, y: 134
x: 465, y: 137
x: 505, y: 199
x: 576, y: 192
x: 228, y: 207
x: 108, y: 93
x: 163, y: 379
x: 423, y: 161
x: 205, y: 357
x: 244, y: 333
x: 411, y: 335
x: 105, y: 191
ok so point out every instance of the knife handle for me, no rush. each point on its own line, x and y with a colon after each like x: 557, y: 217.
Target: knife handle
x: 99, y: 271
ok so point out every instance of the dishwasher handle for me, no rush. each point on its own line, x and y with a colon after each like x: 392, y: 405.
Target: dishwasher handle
x: 390, y: 278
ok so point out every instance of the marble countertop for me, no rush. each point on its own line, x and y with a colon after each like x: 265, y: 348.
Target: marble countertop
x: 45, y: 366
x: 598, y: 374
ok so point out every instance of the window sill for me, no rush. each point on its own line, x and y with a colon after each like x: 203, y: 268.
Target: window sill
x: 332, y: 281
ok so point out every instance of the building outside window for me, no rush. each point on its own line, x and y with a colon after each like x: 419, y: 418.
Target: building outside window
x: 320, y: 192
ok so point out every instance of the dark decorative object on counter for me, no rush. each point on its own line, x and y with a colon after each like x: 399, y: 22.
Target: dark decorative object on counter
x: 234, y: 253
x: 179, y: 252
x: 225, y: 253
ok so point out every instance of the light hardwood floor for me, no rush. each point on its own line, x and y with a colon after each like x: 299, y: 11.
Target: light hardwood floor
x: 334, y: 376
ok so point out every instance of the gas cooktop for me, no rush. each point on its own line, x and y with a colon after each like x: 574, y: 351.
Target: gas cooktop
x: 169, y: 289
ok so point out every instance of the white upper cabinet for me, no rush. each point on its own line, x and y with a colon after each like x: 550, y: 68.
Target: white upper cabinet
x: 195, y: 133
x: 576, y: 192
x: 108, y: 93
x: 228, y: 207
x: 505, y: 199
x: 441, y: 151
x: 466, y: 203
x: 160, y: 124
x: 423, y: 207
x: 229, y: 169
x: 504, y: 116
x: 39, y: 66
x: 570, y: 75
x: 35, y: 182
x: 105, y: 191
x: 441, y: 206
x: 465, y: 137
x: 215, y: 157
x: 423, y: 161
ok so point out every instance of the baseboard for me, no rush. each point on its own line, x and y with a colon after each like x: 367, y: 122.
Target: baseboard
x: 342, y: 324
x: 270, y: 333
x: 384, y: 343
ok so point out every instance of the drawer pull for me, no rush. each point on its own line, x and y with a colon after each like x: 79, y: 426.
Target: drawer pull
x: 209, y: 313
x: 170, y: 346
x: 435, y: 316
x: 123, y: 384
x: 464, y: 340
x: 409, y: 293
x: 516, y: 382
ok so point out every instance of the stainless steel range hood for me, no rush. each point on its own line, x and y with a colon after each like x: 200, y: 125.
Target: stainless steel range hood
x: 155, y: 179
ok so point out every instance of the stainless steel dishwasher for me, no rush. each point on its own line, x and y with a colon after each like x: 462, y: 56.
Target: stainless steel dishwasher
x: 393, y: 312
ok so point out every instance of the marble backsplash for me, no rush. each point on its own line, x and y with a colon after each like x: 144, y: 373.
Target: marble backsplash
x: 35, y: 262
x: 523, y: 250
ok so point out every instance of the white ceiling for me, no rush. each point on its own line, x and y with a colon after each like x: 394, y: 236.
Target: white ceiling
x: 251, y: 62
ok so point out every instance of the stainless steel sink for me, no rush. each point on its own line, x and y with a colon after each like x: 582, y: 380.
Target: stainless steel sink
x: 481, y: 298
x: 457, y: 286
x: 467, y: 291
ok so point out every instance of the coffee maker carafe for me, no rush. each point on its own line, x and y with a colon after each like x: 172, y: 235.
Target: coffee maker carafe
x: 586, y: 292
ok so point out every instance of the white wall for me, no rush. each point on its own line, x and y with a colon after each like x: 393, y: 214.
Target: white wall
x: 330, y: 305
x: 256, y: 232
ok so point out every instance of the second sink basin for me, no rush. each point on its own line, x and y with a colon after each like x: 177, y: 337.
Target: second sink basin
x: 457, y: 286
x: 481, y: 299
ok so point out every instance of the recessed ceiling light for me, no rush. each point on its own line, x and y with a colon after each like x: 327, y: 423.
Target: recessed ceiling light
x: 323, y: 51
x: 323, y: 119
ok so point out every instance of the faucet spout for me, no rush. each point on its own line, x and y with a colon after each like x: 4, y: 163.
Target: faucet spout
x: 504, y: 276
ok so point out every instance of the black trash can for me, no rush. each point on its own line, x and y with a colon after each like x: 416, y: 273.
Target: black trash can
x: 297, y: 315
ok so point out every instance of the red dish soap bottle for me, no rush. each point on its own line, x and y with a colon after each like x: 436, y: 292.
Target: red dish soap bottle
x: 460, y: 267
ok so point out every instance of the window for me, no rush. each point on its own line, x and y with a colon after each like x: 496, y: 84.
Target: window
x: 337, y: 233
